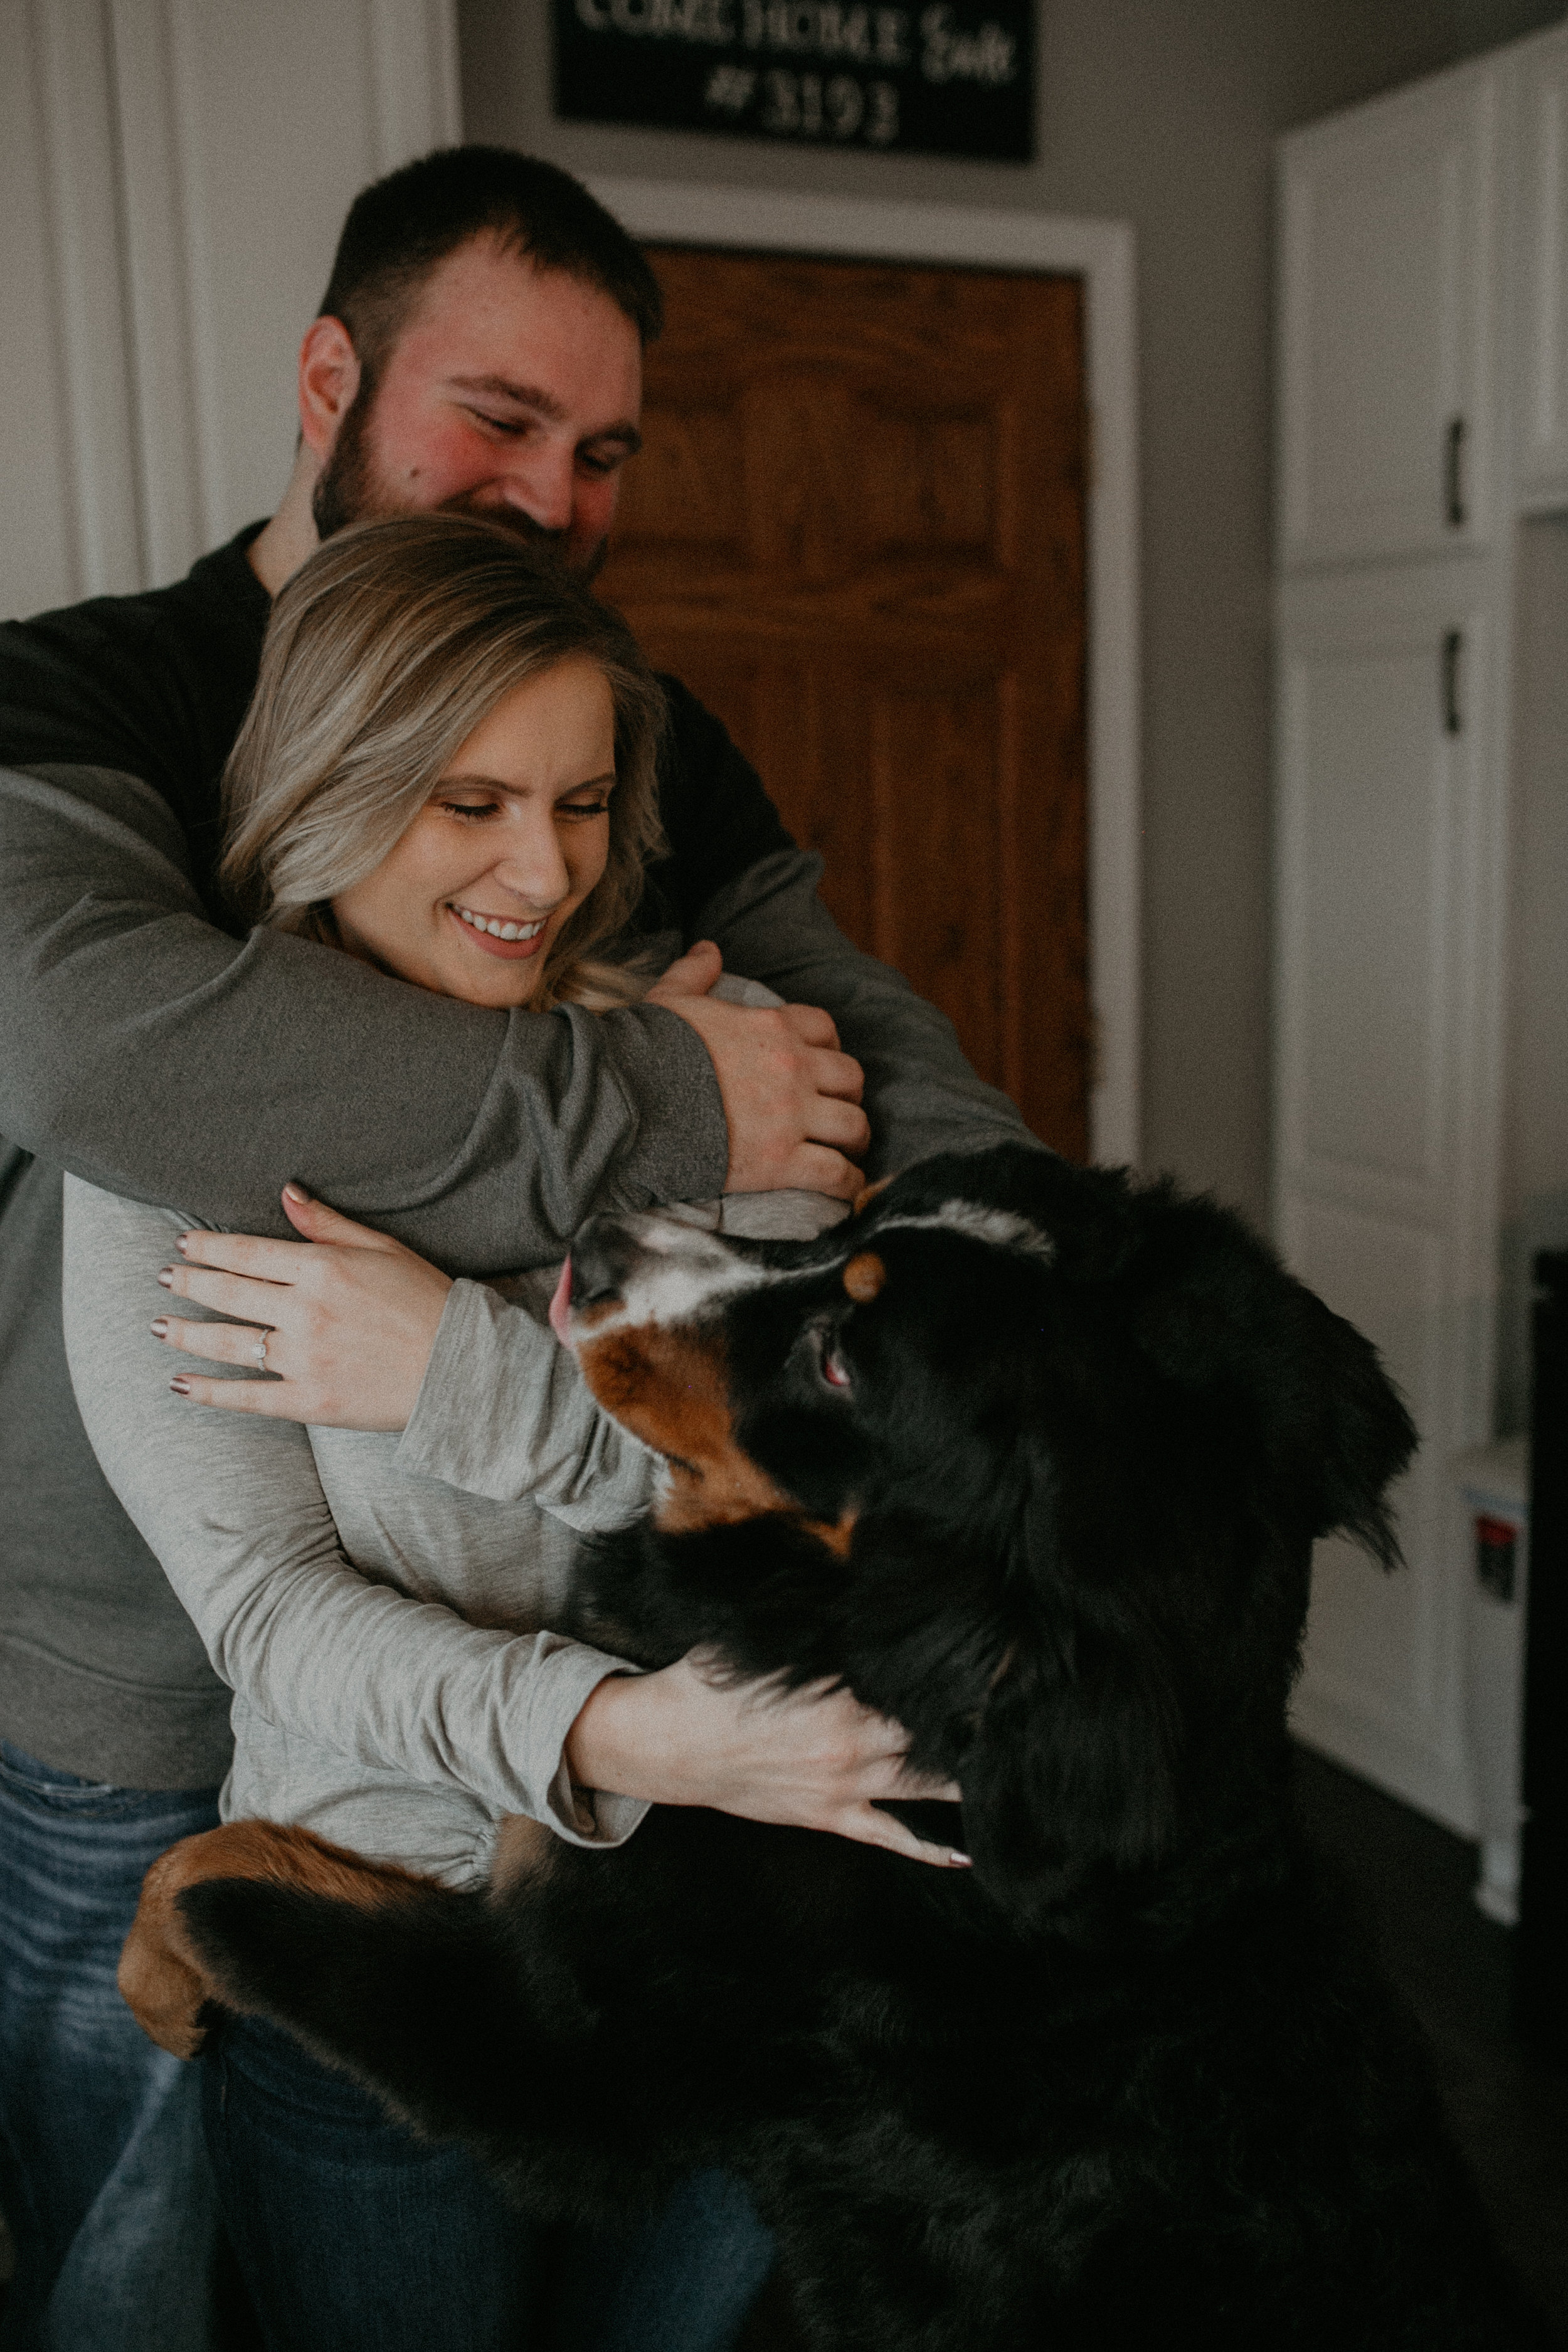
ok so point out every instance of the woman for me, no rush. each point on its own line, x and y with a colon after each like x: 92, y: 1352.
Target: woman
x: 447, y: 771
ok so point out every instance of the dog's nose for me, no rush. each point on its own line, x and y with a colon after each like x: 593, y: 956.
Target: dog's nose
x: 603, y: 1255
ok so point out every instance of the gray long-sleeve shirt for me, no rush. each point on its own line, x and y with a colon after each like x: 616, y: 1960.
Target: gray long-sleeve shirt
x: 385, y: 1608
x: 387, y: 1637
x: 155, y: 1055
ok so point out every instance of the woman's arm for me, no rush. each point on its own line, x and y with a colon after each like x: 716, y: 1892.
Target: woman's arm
x: 814, y: 1757
x: 360, y: 1334
x: 234, y: 1509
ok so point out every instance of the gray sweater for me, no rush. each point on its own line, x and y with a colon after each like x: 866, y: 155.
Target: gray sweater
x: 145, y: 1048
x: 381, y: 1606
x: 158, y: 1057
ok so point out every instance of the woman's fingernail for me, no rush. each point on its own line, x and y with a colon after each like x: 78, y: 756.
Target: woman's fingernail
x: 180, y: 1240
x: 181, y: 1386
x: 961, y: 1860
x: 292, y: 1191
x: 166, y: 1276
x: 161, y: 1328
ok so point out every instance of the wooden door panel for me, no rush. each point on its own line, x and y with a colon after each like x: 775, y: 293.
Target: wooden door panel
x: 856, y: 532
x: 937, y: 858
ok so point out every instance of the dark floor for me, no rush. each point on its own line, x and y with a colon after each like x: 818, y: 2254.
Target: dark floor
x: 1508, y: 2109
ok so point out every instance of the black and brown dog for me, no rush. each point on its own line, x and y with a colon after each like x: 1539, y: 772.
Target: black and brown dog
x: 1034, y: 1460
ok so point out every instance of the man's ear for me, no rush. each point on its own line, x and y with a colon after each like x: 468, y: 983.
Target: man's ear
x: 328, y: 381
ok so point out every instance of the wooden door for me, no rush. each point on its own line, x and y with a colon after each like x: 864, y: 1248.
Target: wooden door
x: 857, y: 531
x: 1385, y: 306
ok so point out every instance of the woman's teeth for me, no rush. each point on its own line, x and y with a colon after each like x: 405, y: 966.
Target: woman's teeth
x: 499, y: 930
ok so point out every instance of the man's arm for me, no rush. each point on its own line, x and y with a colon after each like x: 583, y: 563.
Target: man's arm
x: 160, y: 1058
x: 921, y: 1094
x: 736, y: 877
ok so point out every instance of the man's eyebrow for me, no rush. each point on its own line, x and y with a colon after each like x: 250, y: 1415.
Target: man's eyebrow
x: 543, y: 404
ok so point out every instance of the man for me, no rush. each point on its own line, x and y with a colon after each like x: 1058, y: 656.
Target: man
x: 479, y: 349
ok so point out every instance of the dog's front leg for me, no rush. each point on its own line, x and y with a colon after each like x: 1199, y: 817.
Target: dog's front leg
x: 164, y: 1980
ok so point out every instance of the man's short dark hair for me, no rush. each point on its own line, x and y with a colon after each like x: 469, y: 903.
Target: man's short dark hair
x: 400, y: 228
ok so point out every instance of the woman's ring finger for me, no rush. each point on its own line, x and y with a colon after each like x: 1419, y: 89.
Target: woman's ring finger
x: 220, y: 1343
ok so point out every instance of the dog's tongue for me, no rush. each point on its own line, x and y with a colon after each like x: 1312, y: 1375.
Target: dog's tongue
x: 558, y: 1305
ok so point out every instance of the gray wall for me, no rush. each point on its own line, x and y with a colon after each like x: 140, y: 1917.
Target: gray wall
x: 1162, y: 112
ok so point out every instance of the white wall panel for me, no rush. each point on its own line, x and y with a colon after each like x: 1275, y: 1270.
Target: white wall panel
x: 39, y: 556
x: 75, y: 93
x: 176, y: 174
x: 1374, y: 879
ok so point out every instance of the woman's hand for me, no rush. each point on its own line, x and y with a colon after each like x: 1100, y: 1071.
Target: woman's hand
x: 349, y: 1318
x: 816, y: 1758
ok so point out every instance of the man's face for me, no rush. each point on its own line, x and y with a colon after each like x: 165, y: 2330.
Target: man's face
x: 511, y: 393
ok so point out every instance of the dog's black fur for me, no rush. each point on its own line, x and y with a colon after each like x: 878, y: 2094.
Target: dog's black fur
x: 1128, y: 2081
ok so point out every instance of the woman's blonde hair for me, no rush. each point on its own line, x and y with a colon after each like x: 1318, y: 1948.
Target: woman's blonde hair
x: 384, y: 652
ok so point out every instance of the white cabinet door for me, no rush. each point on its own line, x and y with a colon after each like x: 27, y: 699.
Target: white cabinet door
x: 1385, y: 225
x: 1540, y: 289
x: 1388, y: 842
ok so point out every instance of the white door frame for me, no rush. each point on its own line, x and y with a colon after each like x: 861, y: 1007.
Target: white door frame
x: 1101, y: 253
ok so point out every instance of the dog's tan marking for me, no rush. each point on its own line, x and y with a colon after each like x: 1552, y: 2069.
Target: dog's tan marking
x: 868, y: 1192
x: 864, y: 1277
x: 669, y: 1387
x: 835, y: 1537
x: 163, y: 1979
x: 523, y: 1849
x: 599, y: 1311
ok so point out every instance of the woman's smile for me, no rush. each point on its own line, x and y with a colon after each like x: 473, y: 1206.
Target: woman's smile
x: 500, y: 934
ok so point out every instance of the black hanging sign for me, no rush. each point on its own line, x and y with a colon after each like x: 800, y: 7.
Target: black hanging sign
x: 952, y: 77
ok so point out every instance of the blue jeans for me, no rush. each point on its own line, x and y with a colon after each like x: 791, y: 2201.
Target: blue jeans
x: 103, y: 2177
x: 353, y: 2235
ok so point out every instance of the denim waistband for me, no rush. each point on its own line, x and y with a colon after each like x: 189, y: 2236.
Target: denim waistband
x: 49, y: 1788
x: 283, y: 2075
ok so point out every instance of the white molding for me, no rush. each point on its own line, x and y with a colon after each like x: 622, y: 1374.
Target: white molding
x: 163, y: 347
x: 1102, y: 254
x: 39, y: 544
x: 81, y: 163
x: 137, y: 104
x: 412, y: 58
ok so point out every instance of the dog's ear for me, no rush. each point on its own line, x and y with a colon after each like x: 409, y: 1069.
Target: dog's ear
x: 1074, y: 1777
x: 1226, y: 1325
x: 1363, y: 1436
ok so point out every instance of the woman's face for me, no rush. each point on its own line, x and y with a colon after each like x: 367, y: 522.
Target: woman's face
x: 512, y: 839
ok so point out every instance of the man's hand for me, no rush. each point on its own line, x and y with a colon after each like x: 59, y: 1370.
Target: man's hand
x: 792, y: 1100
x: 349, y: 1318
x: 816, y: 1758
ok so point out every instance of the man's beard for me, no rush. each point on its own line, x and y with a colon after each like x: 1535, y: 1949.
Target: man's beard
x: 349, y: 490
